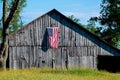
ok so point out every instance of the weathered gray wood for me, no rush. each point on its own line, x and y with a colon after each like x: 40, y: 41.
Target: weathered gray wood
x: 63, y: 57
x: 58, y: 59
x: 10, y: 57
x: 77, y: 47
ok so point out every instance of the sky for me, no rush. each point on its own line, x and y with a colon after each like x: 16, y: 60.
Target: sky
x: 82, y: 9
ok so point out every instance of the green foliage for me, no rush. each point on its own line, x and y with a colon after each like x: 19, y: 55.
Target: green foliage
x: 57, y: 74
x: 111, y: 36
x: 110, y: 13
x: 91, y: 26
x: 73, y: 18
x: 110, y: 19
x: 17, y: 22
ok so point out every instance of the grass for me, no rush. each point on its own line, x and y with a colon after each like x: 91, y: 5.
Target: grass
x: 50, y: 74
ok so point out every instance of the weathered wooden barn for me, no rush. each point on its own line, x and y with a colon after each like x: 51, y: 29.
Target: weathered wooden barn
x: 77, y: 46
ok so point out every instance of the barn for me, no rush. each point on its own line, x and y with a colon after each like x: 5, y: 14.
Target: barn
x: 74, y: 45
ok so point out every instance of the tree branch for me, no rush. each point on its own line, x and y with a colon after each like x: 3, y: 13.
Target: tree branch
x: 4, y: 11
x: 12, y: 12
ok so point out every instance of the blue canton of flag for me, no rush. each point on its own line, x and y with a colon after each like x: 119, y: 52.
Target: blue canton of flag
x: 50, y: 31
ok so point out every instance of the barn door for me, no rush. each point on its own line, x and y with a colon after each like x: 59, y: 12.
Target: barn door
x: 54, y: 58
x: 64, y: 58
x: 42, y: 57
x: 87, y: 61
x: 60, y: 58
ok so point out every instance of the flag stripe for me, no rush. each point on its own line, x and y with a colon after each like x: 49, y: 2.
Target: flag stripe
x: 53, y: 37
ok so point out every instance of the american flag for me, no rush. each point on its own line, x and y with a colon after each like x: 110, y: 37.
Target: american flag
x: 53, y: 37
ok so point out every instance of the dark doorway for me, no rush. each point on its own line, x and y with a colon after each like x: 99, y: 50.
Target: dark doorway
x: 109, y: 63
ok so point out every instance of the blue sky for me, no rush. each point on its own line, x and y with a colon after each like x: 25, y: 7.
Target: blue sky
x: 82, y: 9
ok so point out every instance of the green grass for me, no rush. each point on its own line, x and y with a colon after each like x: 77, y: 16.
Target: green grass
x: 50, y: 74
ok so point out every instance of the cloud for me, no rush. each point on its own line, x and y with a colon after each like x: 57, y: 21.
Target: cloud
x: 84, y: 16
x: 29, y: 16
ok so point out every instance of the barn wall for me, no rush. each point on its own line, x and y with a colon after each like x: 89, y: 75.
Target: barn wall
x: 28, y: 46
x: 34, y: 56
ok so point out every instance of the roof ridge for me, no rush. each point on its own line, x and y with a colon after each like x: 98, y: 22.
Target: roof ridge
x: 79, y: 26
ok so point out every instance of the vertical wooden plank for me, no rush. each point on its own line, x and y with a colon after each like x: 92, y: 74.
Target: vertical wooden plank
x: 31, y: 34
x: 14, y: 58
x: 62, y: 35
x: 83, y: 61
x: 74, y: 51
x: 67, y: 57
x: 18, y: 57
x: 35, y: 56
x: 14, y: 53
x: 39, y: 32
x: 11, y: 57
x: 77, y: 62
x: 27, y: 36
x: 23, y: 57
x: 70, y: 51
x: 77, y: 39
x: 64, y: 57
x: 54, y: 59
x: 24, y: 37
x: 46, y: 20
x: 49, y: 24
x: 66, y: 36
x: 30, y: 41
x: 90, y: 62
x: 15, y: 62
x: 78, y: 51
x: 82, y: 51
x: 58, y: 59
x: 16, y: 41
x: 81, y: 40
x: 32, y: 57
x: 94, y: 62
x: 72, y: 62
x: 19, y: 39
x: 44, y: 59
x: 35, y: 32
x: 39, y: 56
x: 50, y: 57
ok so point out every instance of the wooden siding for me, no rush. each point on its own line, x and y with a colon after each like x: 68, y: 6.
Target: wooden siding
x: 28, y: 47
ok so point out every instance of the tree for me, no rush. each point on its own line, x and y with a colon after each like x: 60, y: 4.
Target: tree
x: 110, y: 19
x: 91, y: 26
x: 7, y: 17
x: 73, y: 18
x: 16, y: 22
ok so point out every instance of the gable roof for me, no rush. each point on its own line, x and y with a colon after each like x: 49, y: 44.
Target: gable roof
x: 72, y: 22
x: 81, y: 27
